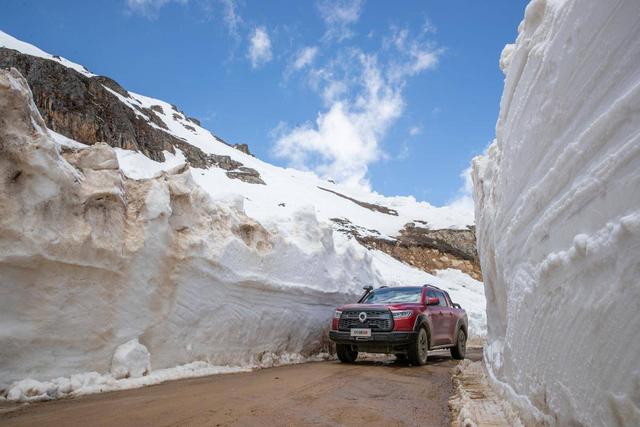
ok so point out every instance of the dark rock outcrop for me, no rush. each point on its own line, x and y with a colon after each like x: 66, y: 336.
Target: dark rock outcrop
x: 81, y: 107
x: 194, y: 120
x: 84, y: 109
x: 370, y: 206
x: 423, y: 248
x: 242, y: 147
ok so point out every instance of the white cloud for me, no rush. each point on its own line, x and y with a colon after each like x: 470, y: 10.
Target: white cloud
x: 428, y: 27
x: 305, y: 57
x: 363, y: 98
x: 231, y: 17
x: 415, y: 130
x: 345, y: 139
x: 338, y: 15
x: 259, y: 47
x: 415, y: 56
x: 403, y: 154
x: 149, y: 8
x: 334, y: 91
x: 228, y: 8
x: 464, y: 199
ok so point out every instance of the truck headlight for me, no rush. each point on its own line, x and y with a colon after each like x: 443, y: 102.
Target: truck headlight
x: 403, y: 314
x: 337, y: 314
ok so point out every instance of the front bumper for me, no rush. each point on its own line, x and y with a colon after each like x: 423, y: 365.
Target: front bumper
x: 379, y: 342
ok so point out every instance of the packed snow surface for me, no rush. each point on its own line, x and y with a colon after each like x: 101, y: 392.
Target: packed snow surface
x: 558, y: 216
x: 114, y: 265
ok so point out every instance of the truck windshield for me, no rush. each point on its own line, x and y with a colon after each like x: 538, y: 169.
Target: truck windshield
x: 397, y: 295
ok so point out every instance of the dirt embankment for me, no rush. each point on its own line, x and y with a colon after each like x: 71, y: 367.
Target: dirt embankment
x: 422, y: 247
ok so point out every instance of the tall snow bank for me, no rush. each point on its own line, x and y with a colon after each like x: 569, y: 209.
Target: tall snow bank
x: 558, y: 216
x: 90, y: 260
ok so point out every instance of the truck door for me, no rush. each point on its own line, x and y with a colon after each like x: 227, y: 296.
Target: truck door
x: 446, y: 316
x: 438, y: 319
x: 453, y: 319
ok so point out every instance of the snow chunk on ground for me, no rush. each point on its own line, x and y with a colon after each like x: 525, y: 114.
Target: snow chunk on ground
x: 131, y: 360
x: 138, y: 166
x: 63, y: 141
x: 30, y: 390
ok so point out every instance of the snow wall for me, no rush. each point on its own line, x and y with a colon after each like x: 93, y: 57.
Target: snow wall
x: 558, y: 216
x: 90, y: 260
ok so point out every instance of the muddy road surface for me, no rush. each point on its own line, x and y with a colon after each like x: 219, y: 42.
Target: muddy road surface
x: 378, y: 391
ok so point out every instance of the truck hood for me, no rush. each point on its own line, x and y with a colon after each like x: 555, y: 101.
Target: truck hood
x: 399, y: 306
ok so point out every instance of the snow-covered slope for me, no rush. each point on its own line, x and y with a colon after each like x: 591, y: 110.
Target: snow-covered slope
x: 558, y: 216
x: 287, y: 190
x: 8, y: 41
x: 100, y: 246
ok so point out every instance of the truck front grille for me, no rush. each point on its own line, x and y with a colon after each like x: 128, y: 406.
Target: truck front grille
x: 377, y: 320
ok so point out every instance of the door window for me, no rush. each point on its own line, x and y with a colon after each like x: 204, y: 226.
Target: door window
x: 443, y: 300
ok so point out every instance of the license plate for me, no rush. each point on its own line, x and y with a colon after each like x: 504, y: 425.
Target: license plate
x: 360, y: 332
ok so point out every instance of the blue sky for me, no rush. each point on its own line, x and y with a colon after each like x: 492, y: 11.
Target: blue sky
x: 398, y: 96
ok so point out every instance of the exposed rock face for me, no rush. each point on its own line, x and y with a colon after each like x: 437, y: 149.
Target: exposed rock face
x: 424, y: 257
x: 426, y: 249
x: 370, y: 206
x: 235, y: 169
x: 242, y: 147
x: 82, y: 108
x: 460, y: 243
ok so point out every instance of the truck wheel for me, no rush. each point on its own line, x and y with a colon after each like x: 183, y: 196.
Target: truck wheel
x: 345, y: 354
x: 419, y: 348
x: 458, y: 351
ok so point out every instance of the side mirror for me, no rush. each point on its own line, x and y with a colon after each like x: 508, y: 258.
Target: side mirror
x: 433, y: 301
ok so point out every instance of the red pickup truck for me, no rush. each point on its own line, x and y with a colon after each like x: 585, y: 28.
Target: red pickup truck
x: 407, y: 321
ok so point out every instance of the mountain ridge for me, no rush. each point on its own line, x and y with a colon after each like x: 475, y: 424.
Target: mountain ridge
x: 90, y: 108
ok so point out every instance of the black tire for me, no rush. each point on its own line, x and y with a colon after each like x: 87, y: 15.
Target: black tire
x: 458, y: 351
x: 346, y: 354
x: 418, y: 350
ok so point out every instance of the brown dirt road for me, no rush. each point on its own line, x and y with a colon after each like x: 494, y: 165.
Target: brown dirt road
x: 374, y: 392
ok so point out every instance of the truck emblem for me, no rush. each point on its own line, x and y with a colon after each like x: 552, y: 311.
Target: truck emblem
x: 363, y: 317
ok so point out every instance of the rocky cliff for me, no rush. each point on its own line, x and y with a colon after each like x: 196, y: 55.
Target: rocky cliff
x: 421, y: 247
x: 90, y: 109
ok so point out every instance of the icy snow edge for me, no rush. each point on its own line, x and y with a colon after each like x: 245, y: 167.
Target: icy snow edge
x: 30, y: 390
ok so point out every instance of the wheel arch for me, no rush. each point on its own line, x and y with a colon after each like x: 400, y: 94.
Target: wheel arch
x: 461, y: 324
x: 421, y: 321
